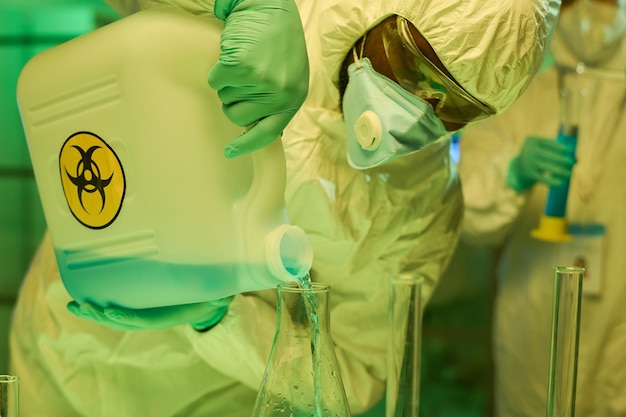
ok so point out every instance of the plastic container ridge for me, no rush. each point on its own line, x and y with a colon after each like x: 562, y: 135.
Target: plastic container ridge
x: 126, y: 139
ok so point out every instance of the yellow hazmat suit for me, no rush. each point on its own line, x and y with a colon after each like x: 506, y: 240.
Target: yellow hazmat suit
x: 364, y: 227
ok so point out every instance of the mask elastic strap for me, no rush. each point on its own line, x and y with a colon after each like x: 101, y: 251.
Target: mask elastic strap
x: 357, y: 58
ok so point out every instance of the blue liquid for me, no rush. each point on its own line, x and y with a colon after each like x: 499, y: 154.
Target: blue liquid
x: 556, y: 203
x: 145, y: 283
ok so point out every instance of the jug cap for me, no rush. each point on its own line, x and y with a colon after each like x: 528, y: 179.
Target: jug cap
x: 289, y: 253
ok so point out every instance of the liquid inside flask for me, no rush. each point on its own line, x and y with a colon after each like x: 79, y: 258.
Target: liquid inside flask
x: 302, y: 375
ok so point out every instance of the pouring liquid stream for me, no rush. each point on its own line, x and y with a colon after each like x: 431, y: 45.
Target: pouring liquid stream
x: 311, y: 308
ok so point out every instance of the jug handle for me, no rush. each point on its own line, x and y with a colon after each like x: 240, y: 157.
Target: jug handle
x: 267, y: 190
x: 267, y: 195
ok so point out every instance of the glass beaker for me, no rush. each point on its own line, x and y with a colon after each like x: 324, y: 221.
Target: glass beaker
x: 568, y: 281
x: 302, y: 375
x: 404, y: 348
x: 9, y: 396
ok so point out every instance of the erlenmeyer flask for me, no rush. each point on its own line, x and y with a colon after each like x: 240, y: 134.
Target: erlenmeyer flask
x: 302, y: 376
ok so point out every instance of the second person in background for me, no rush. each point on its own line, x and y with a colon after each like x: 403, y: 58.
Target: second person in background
x: 506, y: 167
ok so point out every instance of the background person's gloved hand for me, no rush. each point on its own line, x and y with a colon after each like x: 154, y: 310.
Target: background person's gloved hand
x: 540, y: 160
x: 262, y: 76
x: 199, y: 315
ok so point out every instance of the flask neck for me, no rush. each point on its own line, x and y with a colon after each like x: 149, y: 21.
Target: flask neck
x: 302, y: 310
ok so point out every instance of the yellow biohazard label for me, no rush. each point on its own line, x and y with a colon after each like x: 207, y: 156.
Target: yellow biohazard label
x: 93, y: 179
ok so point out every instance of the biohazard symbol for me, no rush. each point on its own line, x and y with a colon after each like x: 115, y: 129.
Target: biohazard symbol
x: 88, y: 177
x: 93, y: 179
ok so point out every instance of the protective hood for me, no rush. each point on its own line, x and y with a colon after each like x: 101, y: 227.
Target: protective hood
x: 492, y: 49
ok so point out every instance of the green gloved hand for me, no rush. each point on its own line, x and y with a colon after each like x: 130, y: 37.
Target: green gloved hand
x: 262, y: 76
x: 199, y: 315
x: 540, y: 160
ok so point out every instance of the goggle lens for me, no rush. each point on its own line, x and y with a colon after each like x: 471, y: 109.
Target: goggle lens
x: 416, y: 73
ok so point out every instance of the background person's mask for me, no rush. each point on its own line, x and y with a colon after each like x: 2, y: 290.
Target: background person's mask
x: 383, y: 120
x: 592, y: 31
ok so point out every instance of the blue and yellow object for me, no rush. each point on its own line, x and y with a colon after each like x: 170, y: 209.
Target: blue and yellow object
x: 553, y: 223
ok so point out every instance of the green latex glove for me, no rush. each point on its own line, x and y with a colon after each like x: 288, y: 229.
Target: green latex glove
x: 540, y: 160
x: 199, y: 315
x: 262, y: 76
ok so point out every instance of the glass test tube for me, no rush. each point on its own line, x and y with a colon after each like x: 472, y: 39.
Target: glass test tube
x: 404, y: 348
x: 564, y: 344
x: 9, y: 396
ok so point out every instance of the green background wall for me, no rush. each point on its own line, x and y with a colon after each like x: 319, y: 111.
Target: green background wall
x: 26, y: 28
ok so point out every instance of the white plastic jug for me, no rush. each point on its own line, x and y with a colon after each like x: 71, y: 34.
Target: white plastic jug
x: 126, y: 140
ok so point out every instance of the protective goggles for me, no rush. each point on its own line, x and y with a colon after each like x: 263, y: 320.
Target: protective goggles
x: 416, y: 73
